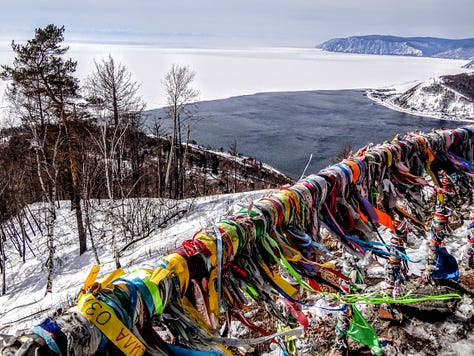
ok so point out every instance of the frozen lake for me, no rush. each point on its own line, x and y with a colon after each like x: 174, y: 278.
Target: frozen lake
x: 227, y: 72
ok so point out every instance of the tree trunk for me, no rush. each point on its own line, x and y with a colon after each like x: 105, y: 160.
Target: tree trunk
x: 170, y: 164
x: 80, y: 223
x: 112, y: 218
x: 76, y: 191
x: 23, y: 236
x: 2, y: 264
x: 108, y: 180
x: 51, y: 212
x: 160, y: 172
x: 184, y: 163
x: 89, y: 228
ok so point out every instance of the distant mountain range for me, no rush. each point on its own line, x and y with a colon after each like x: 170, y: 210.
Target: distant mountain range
x: 447, y: 97
x: 403, y: 46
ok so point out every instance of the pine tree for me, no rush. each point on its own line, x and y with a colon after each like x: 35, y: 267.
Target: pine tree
x: 45, y: 91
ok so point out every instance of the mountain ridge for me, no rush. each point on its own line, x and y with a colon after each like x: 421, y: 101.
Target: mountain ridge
x: 402, y: 46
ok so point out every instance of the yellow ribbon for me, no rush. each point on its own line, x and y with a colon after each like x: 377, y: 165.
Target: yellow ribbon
x: 104, y: 318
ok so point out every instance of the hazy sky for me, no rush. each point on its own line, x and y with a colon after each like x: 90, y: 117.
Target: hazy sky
x: 252, y: 22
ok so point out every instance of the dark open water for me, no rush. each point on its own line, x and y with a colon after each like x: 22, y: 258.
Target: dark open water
x: 284, y: 128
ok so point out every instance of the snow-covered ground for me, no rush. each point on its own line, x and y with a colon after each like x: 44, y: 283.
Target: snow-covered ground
x: 26, y: 281
x: 226, y: 72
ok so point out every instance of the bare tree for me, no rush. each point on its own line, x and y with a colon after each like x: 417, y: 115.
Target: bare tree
x: 180, y: 97
x: 46, y: 146
x: 112, y: 89
x: 157, y: 133
x: 91, y: 173
x: 51, y: 169
x: 15, y: 184
x: 113, y: 96
x: 4, y: 183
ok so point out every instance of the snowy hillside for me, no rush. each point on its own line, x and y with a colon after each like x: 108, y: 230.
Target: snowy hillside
x: 447, y: 97
x: 25, y: 303
x: 402, y: 46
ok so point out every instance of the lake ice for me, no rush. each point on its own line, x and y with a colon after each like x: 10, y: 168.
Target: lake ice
x: 227, y: 72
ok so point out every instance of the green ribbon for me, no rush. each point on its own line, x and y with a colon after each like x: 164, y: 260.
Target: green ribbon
x: 377, y: 298
x: 282, y: 261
